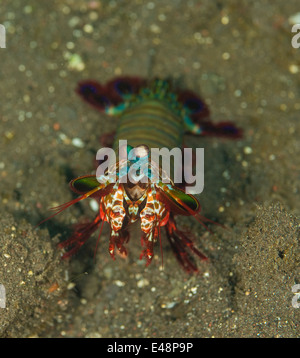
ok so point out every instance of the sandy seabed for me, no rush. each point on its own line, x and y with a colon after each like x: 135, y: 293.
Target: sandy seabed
x: 238, y: 56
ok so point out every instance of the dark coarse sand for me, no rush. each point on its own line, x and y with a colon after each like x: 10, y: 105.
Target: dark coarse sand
x: 238, y: 55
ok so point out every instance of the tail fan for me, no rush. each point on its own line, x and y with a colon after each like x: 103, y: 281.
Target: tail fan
x: 94, y: 94
x: 124, y: 86
x: 196, y: 107
x: 221, y: 129
x: 111, y: 94
x: 199, y: 114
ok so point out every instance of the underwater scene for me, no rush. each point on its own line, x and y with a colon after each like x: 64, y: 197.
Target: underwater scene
x: 149, y: 169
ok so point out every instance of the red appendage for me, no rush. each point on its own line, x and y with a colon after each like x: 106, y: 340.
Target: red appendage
x: 181, y: 245
x: 118, y: 241
x: 80, y: 235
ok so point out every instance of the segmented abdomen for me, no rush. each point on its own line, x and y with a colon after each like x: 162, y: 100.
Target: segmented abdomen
x: 151, y: 122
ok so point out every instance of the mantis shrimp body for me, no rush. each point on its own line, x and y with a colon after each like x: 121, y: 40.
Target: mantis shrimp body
x: 150, y: 115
